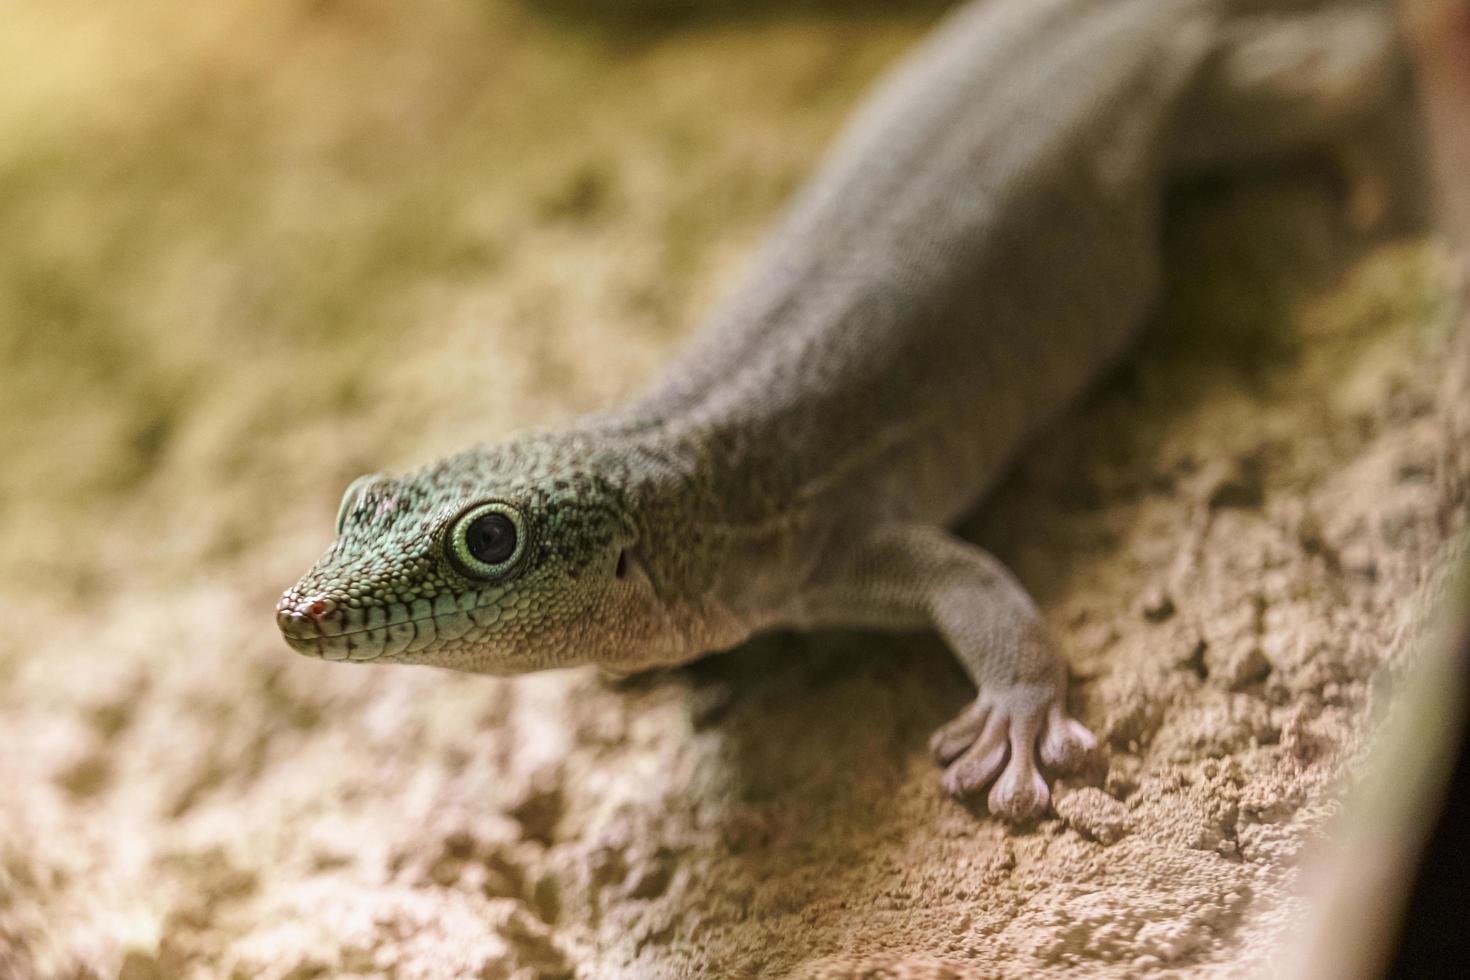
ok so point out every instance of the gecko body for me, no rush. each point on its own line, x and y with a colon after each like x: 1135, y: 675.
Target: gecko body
x: 980, y: 244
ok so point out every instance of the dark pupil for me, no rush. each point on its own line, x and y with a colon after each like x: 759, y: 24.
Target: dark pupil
x: 491, y: 538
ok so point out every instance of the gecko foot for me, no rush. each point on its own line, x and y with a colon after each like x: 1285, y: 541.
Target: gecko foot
x: 995, y: 742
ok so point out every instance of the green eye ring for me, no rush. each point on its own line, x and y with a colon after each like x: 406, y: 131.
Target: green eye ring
x: 487, y: 540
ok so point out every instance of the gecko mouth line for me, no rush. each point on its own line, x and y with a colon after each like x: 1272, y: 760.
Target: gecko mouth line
x: 285, y: 624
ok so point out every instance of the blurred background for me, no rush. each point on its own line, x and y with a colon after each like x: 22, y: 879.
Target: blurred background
x: 241, y: 242
x: 249, y: 251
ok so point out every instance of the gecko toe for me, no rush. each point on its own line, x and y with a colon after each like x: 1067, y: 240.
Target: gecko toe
x: 977, y: 765
x: 974, y: 770
x: 1066, y: 743
x: 1020, y: 794
x: 951, y: 740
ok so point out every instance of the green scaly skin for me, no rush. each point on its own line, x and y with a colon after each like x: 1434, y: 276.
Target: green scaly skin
x: 979, y: 246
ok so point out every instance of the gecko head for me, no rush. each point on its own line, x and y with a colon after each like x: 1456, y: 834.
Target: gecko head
x: 502, y: 560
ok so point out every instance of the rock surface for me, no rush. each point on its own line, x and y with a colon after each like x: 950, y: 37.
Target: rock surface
x: 297, y: 242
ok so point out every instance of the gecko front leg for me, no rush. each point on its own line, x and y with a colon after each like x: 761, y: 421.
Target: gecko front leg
x: 914, y: 577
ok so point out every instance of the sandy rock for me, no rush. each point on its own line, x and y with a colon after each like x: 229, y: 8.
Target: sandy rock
x: 1094, y: 814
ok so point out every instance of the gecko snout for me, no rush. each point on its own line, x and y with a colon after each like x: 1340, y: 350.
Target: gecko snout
x: 306, y: 617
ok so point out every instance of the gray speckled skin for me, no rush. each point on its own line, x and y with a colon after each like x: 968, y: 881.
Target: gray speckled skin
x: 980, y: 244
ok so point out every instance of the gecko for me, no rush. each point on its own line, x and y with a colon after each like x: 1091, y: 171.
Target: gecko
x: 980, y: 244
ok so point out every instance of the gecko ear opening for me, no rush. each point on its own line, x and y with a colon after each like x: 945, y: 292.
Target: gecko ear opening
x: 631, y: 570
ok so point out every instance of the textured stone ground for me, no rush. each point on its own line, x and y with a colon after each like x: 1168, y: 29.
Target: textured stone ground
x: 254, y: 250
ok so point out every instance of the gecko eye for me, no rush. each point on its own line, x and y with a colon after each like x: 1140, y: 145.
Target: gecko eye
x: 486, y: 540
